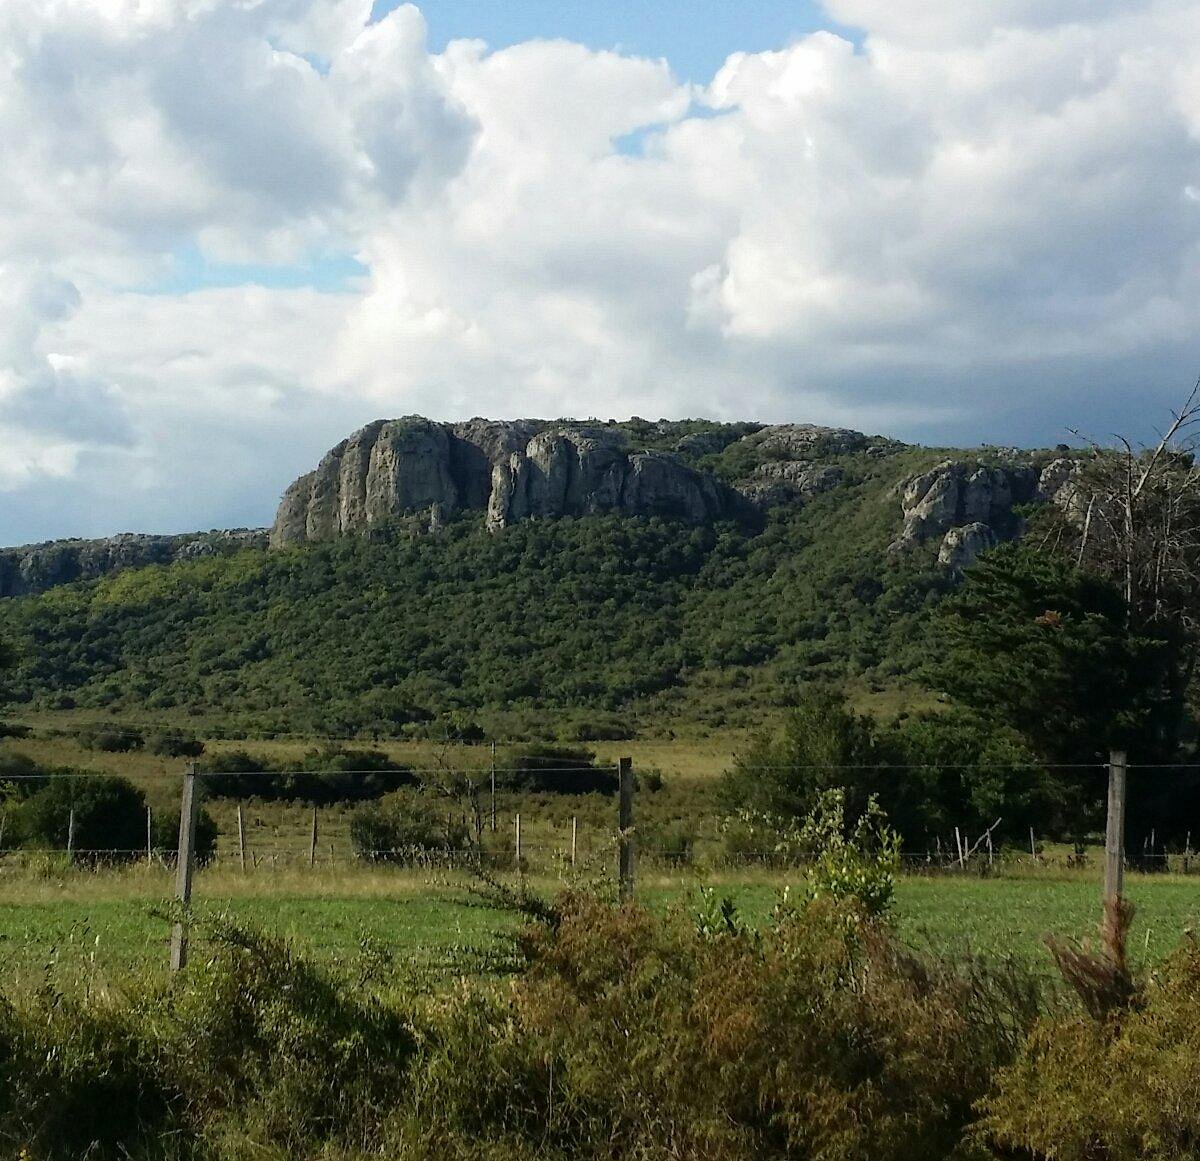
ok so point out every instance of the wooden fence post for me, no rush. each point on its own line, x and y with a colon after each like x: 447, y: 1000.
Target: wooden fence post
x: 493, y: 788
x: 189, y: 809
x: 149, y: 837
x: 518, y: 840
x: 312, y: 846
x: 625, y: 860
x: 71, y: 836
x: 242, y: 837
x: 1032, y: 846
x: 958, y: 842
x: 574, y: 837
x: 1114, y: 837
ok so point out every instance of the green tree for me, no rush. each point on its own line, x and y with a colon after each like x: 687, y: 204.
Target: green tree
x: 110, y: 819
x: 823, y: 745
x: 957, y: 768
x: 1036, y: 645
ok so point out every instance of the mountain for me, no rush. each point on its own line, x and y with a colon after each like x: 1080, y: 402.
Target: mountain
x: 527, y: 576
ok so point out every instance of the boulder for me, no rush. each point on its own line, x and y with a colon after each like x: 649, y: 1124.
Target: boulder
x: 960, y: 546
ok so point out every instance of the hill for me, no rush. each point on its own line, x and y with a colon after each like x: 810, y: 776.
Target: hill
x: 630, y: 576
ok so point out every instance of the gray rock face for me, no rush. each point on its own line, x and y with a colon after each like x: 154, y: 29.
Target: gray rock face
x: 510, y: 470
x: 786, y: 481
x: 798, y: 441
x: 969, y: 507
x: 34, y: 568
x: 960, y: 546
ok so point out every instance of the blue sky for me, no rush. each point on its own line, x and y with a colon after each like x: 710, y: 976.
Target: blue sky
x: 695, y: 36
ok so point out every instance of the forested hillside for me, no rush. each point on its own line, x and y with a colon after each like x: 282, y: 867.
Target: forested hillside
x: 596, y: 623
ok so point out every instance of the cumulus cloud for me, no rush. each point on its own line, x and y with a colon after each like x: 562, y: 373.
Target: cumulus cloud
x: 977, y: 221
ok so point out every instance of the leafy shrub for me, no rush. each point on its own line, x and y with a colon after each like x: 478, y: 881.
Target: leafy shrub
x: 110, y: 820
x: 21, y: 776
x: 798, y: 1041
x: 855, y: 864
x: 257, y: 1054
x: 822, y: 745
x: 79, y: 1079
x: 111, y: 741
x: 274, y: 1052
x: 546, y: 769
x: 164, y: 836
x: 327, y: 774
x: 176, y: 744
x: 1122, y: 1088
x: 405, y: 829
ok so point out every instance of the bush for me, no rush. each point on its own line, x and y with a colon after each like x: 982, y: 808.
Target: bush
x: 258, y: 1054
x: 110, y: 820
x: 164, y: 836
x: 110, y: 816
x: 1124, y: 1088
x: 822, y: 745
x: 328, y: 774
x: 546, y: 769
x: 111, y: 741
x: 176, y: 744
x: 855, y: 864
x: 799, y: 1041
x: 21, y: 776
x: 404, y: 829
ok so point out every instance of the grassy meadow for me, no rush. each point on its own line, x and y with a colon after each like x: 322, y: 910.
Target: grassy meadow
x: 110, y: 920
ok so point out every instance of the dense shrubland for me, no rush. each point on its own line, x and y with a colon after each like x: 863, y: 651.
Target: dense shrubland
x: 572, y: 627
x: 619, y: 1033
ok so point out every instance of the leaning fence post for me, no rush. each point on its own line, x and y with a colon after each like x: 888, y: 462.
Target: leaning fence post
x: 1114, y: 836
x: 625, y: 867
x: 1032, y: 846
x: 242, y: 837
x: 189, y: 809
x: 71, y: 836
x: 312, y: 846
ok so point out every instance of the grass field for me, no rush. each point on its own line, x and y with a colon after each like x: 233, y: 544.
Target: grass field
x: 105, y: 921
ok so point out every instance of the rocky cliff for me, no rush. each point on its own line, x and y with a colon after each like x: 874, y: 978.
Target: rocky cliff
x: 33, y: 568
x: 513, y: 470
x: 969, y: 507
x: 509, y: 471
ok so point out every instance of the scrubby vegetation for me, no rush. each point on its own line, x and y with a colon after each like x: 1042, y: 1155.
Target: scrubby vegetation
x: 583, y: 626
x: 619, y: 1033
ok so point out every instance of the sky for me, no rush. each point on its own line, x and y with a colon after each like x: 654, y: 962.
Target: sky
x: 233, y: 231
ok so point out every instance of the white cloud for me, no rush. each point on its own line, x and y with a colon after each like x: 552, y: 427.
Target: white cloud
x: 980, y: 223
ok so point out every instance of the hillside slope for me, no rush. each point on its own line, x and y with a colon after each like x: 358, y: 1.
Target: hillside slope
x: 596, y: 621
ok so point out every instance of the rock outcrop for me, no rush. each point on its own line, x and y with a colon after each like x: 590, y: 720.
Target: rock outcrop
x: 804, y: 441
x: 34, y: 568
x: 969, y: 507
x: 509, y: 470
x: 786, y: 481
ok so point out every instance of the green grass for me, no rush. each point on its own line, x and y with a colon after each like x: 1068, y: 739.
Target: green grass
x: 105, y: 922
